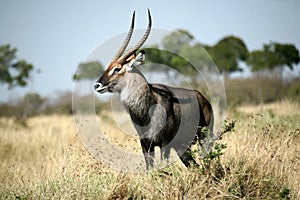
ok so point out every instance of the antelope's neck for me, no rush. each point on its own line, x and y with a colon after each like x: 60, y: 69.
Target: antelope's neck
x: 136, y: 95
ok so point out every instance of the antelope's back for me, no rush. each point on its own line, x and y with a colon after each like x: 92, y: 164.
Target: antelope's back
x: 185, y: 103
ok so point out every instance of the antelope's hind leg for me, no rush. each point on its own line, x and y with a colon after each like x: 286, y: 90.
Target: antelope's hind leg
x: 187, y: 158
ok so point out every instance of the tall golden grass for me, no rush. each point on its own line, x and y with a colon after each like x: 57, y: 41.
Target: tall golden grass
x: 46, y: 160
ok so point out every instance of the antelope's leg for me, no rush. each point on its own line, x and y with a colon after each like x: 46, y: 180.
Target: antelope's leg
x: 148, y: 150
x: 187, y: 158
x: 164, y: 153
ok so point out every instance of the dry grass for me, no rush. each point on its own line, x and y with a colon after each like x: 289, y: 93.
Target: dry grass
x: 283, y: 108
x: 47, y: 161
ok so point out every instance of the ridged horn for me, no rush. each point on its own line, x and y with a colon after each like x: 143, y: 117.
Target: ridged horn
x: 141, y: 42
x: 127, y: 39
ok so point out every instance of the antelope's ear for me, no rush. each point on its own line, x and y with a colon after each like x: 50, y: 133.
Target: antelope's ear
x: 137, y: 60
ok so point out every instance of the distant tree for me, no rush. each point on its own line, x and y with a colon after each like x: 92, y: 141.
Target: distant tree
x: 88, y: 71
x: 288, y: 54
x: 227, y: 53
x: 274, y: 56
x: 167, y: 58
x: 30, y: 105
x: 197, y: 55
x: 262, y: 59
x: 177, y: 40
x: 177, y: 52
x: 181, y: 52
x: 13, y: 72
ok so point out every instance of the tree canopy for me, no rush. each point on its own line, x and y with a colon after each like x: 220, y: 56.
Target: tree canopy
x: 227, y: 53
x: 177, y: 40
x: 13, y: 72
x: 88, y: 71
x: 274, y: 55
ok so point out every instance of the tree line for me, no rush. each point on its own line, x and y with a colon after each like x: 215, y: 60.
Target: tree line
x: 228, y: 54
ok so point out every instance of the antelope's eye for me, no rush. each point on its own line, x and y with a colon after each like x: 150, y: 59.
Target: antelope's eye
x: 117, y: 69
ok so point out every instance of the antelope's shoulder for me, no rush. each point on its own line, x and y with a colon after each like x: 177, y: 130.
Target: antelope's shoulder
x: 175, y: 92
x: 160, y: 89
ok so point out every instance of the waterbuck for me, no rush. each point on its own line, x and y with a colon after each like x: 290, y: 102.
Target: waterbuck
x: 163, y: 116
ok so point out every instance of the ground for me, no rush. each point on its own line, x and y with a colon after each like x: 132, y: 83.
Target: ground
x: 46, y: 160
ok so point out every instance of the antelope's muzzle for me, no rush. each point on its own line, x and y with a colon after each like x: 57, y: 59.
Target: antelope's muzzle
x: 100, y: 88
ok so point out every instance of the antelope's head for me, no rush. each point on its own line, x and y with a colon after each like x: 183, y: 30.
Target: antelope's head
x: 123, y: 63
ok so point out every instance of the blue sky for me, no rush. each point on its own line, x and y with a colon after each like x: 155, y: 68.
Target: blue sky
x: 56, y: 35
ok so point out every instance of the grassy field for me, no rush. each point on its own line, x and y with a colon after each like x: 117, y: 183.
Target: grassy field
x: 45, y: 160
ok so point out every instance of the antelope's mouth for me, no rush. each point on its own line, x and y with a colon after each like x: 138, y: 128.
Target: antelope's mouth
x: 100, y: 88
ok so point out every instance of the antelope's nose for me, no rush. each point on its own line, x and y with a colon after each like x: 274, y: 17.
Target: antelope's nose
x: 100, y: 88
x: 97, y: 85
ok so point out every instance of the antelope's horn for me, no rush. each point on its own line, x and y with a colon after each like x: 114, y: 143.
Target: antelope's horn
x: 127, y: 39
x: 141, y: 42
